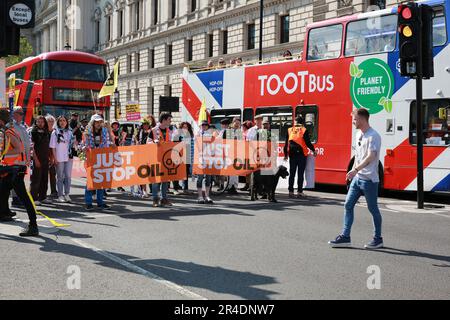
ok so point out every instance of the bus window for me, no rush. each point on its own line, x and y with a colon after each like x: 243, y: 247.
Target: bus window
x: 36, y: 71
x: 248, y: 115
x: 367, y: 37
x: 280, y: 119
x: 219, y: 115
x: 63, y: 70
x: 436, y: 122
x: 439, y: 27
x: 310, y: 116
x: 324, y: 42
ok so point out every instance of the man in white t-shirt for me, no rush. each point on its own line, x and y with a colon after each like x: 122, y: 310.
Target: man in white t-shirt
x: 364, y: 179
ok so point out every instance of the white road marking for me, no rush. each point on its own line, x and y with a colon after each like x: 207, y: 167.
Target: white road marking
x: 183, y: 291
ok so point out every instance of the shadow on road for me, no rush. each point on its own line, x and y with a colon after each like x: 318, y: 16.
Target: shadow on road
x: 215, y: 279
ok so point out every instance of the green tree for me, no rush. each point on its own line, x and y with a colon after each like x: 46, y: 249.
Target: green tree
x: 26, y: 50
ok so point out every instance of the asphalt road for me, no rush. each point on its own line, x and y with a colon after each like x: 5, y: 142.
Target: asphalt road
x: 235, y: 249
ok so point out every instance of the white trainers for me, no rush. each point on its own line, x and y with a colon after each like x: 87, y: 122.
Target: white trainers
x: 38, y: 203
x: 61, y: 200
x: 68, y: 198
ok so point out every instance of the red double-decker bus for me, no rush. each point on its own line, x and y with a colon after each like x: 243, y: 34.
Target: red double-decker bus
x: 60, y: 83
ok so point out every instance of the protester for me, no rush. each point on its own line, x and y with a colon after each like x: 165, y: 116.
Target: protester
x: 365, y: 179
x: 118, y: 135
x: 62, y: 143
x: 235, y: 133
x: 185, y: 134
x: 246, y: 125
x: 145, y: 134
x: 51, y: 161
x: 14, y: 166
x: 296, y: 150
x: 96, y: 136
x: 205, y: 134
x: 161, y: 134
x: 41, y: 150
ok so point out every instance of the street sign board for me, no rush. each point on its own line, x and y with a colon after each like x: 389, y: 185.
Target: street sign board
x: 2, y: 84
x: 21, y: 13
x: 133, y: 111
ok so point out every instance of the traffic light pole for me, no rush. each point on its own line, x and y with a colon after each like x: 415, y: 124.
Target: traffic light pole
x: 419, y: 126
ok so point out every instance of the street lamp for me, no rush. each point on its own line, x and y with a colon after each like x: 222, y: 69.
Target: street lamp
x: 67, y: 47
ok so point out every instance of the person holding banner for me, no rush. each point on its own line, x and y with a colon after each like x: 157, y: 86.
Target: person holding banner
x: 296, y: 149
x: 95, y: 136
x: 206, y: 135
x: 161, y: 134
x: 186, y: 134
x: 144, y: 136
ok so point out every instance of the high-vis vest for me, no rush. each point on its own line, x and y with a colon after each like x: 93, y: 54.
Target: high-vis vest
x: 296, y: 134
x: 10, y: 156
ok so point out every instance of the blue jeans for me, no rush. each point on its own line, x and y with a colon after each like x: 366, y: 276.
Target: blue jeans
x: 369, y: 189
x: 163, y: 187
x: 64, y: 177
x: 88, y: 196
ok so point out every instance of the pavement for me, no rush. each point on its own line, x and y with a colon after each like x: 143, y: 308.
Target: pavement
x: 234, y: 249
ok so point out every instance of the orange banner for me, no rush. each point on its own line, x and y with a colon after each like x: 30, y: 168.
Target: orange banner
x: 135, y: 165
x: 213, y: 156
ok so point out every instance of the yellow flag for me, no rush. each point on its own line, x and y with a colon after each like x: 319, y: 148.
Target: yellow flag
x: 203, y: 114
x: 111, y: 83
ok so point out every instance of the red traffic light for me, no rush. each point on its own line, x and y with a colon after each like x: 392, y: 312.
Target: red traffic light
x: 405, y: 12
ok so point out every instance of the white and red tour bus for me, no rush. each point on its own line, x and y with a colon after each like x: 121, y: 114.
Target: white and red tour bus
x: 346, y: 63
x: 60, y: 83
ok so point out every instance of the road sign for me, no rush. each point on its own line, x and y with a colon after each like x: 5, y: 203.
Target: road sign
x: 21, y: 13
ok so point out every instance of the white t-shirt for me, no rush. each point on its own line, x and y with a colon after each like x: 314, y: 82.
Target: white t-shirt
x: 365, y: 142
x: 252, y: 133
x: 62, y: 148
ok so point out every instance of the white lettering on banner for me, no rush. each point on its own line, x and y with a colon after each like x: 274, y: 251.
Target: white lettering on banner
x: 112, y: 158
x: 116, y: 171
x: 215, y: 156
x: 311, y: 81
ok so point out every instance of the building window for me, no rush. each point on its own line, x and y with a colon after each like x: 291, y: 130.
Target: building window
x: 150, y: 99
x: 129, y: 63
x: 193, y: 5
x: 138, y: 15
x: 210, y: 45
x: 284, y: 35
x: 169, y: 54
x: 190, y: 47
x: 151, y: 57
x: 155, y: 11
x: 381, y: 4
x: 251, y: 36
x: 97, y: 32
x: 121, y: 29
x: 173, y: 9
x: 138, y: 61
x: 225, y: 42
x: 108, y: 28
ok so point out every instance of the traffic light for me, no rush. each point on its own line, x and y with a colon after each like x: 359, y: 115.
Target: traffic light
x: 409, y: 30
x: 427, y: 14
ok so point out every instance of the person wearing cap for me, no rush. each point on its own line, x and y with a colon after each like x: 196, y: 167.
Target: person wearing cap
x: 252, y: 133
x: 96, y: 136
x: 13, y: 165
x: 117, y: 134
x: 205, y: 134
x: 296, y: 149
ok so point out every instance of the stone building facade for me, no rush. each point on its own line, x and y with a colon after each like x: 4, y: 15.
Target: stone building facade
x: 154, y: 39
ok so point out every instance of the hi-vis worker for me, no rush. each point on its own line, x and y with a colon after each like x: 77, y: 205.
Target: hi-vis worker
x: 296, y: 148
x: 12, y: 171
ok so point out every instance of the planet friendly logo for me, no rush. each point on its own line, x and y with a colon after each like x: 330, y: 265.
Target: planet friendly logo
x: 372, y: 85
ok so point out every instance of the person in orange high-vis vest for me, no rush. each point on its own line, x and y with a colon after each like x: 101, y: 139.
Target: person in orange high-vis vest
x: 296, y: 149
x: 13, y: 168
